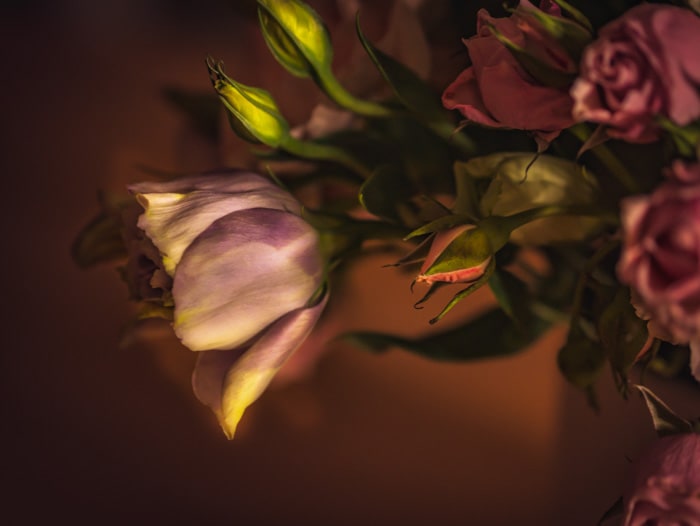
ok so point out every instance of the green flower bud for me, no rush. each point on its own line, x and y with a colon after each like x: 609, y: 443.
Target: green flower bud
x: 254, y: 115
x: 296, y: 36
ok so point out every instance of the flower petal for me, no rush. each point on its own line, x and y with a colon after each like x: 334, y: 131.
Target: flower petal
x: 229, y: 381
x: 246, y: 270
x: 172, y: 219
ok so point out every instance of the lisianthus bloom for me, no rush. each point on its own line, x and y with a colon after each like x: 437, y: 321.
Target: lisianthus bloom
x: 240, y: 269
x: 643, y: 65
x: 497, y: 91
x: 665, y: 484
x: 660, y: 261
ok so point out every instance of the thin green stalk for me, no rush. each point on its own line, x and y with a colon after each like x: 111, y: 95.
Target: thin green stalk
x: 608, y: 158
x: 324, y: 152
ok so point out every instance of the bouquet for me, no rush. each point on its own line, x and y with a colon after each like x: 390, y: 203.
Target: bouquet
x: 559, y: 169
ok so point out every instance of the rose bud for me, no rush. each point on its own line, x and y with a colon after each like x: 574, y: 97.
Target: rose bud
x: 459, y: 255
x: 665, y: 484
x: 241, y: 270
x: 497, y: 90
x: 643, y: 65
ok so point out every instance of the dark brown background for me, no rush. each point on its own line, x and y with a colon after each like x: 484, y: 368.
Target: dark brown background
x: 96, y: 434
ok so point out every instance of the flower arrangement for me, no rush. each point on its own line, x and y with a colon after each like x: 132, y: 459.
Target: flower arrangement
x: 559, y: 168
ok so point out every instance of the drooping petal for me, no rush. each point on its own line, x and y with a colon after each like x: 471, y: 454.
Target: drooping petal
x: 246, y: 270
x: 172, y: 220
x: 229, y: 383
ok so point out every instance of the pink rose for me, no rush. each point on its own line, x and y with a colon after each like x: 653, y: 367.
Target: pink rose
x: 665, y: 484
x: 684, y: 172
x: 644, y: 64
x: 496, y: 91
x: 660, y: 260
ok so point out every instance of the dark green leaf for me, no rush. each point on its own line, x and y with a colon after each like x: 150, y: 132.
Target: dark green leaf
x: 512, y: 295
x: 99, y: 241
x: 386, y: 193
x: 488, y: 336
x: 581, y: 360
x: 622, y: 333
x: 411, y: 91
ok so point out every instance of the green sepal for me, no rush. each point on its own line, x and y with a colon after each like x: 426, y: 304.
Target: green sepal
x: 571, y: 35
x: 575, y: 14
x: 540, y: 71
x: 666, y: 421
x: 472, y: 288
x: 442, y: 223
x: 99, y: 241
x: 488, y: 336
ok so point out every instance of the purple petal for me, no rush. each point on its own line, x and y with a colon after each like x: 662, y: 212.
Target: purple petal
x: 242, y: 273
x: 229, y: 381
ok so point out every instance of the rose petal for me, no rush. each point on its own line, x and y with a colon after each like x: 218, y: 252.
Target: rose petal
x: 243, y: 272
x: 229, y: 381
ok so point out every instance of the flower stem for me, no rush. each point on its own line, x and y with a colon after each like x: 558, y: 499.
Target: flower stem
x: 324, y: 152
x: 347, y: 100
x: 608, y: 158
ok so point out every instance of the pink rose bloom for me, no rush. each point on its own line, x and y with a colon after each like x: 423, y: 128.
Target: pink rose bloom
x: 496, y: 91
x: 644, y: 64
x: 684, y: 172
x: 665, y: 485
x: 660, y: 260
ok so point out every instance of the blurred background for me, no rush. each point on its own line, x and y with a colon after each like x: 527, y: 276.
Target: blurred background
x: 95, y: 433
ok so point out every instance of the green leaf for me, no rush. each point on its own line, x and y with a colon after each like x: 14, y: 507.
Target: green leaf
x: 99, y: 241
x: 512, y: 295
x: 386, y: 193
x: 411, y: 91
x: 666, y: 421
x: 622, y: 333
x: 488, y: 336
x: 581, y: 361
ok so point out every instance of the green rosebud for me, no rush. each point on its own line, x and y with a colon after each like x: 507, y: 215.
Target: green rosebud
x: 521, y: 182
x: 297, y: 37
x: 461, y: 254
x: 254, y: 114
